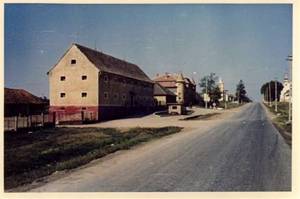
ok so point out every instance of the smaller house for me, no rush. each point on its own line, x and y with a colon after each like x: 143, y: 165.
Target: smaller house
x: 183, y: 87
x: 19, y: 102
x: 285, y: 92
x: 163, y: 96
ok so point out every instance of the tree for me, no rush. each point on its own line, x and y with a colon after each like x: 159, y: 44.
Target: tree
x: 209, y: 83
x: 241, y: 92
x: 269, y: 92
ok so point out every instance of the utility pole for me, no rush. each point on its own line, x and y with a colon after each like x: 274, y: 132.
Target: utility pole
x: 276, y: 94
x: 225, y: 98
x: 206, y: 92
x: 267, y: 95
x: 270, y: 96
x: 290, y: 59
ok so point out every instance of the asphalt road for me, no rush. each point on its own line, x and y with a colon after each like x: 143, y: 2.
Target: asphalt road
x: 241, y: 153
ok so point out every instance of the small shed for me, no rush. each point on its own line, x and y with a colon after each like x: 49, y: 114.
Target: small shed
x: 19, y: 102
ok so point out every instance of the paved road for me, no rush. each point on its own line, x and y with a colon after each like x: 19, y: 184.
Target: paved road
x: 242, y: 153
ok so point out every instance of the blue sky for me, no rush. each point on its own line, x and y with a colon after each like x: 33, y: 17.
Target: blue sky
x: 248, y: 42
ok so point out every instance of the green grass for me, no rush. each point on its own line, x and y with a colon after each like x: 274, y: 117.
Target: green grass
x: 281, y: 120
x: 28, y: 157
x: 281, y: 116
x: 200, y: 117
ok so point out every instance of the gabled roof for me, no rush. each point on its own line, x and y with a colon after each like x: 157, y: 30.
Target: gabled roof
x: 113, y: 65
x: 20, y: 96
x: 160, y: 90
x: 165, y: 78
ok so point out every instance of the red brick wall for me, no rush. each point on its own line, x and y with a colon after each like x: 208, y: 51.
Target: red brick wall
x: 74, y: 113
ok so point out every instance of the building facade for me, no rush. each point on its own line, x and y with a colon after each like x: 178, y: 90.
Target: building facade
x: 97, y: 85
x: 221, y: 87
x: 285, y: 92
x: 183, y: 87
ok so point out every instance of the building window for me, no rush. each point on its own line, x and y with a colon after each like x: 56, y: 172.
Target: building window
x: 116, y: 96
x: 83, y: 77
x: 124, y: 97
x: 83, y: 108
x: 105, y: 95
x: 62, y: 95
x: 84, y: 94
x: 62, y: 108
x: 73, y: 61
x: 62, y: 78
x: 106, y: 78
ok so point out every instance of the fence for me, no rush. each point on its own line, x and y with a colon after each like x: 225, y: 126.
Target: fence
x: 33, y: 121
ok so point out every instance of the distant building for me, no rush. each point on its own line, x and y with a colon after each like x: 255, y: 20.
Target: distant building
x: 97, y: 85
x: 163, y: 96
x: 183, y: 87
x: 221, y: 87
x: 285, y: 92
x: 19, y: 102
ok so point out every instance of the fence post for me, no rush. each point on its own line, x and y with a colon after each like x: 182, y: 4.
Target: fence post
x: 43, y: 119
x: 54, y: 119
x: 28, y: 121
x: 16, y: 123
x: 82, y: 116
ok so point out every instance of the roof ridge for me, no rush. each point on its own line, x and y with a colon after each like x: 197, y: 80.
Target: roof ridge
x: 111, y: 64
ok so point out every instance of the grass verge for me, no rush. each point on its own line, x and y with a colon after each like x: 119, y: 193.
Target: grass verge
x: 280, y: 120
x: 200, y: 117
x: 28, y: 157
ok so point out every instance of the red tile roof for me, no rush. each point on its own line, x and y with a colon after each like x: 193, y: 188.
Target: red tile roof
x: 166, y: 77
x: 20, y: 96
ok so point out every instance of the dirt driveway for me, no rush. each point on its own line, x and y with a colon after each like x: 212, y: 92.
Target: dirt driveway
x: 153, y: 120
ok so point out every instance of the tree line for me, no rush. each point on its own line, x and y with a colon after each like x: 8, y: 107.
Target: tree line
x: 268, y: 90
x: 209, y: 85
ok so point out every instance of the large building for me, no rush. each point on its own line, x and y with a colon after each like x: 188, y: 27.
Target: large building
x: 97, y: 85
x: 183, y: 87
x: 285, y: 92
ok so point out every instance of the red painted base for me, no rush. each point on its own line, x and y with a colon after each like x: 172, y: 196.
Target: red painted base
x: 75, y: 113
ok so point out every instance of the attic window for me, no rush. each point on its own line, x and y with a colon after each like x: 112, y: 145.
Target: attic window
x: 83, y: 77
x: 62, y: 95
x: 84, y: 94
x: 62, y: 78
x: 73, y: 61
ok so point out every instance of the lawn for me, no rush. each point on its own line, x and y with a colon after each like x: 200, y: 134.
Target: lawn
x: 200, y: 117
x: 30, y: 156
x: 282, y: 116
x: 281, y: 120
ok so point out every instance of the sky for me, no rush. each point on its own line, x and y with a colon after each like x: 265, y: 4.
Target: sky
x: 247, y: 42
